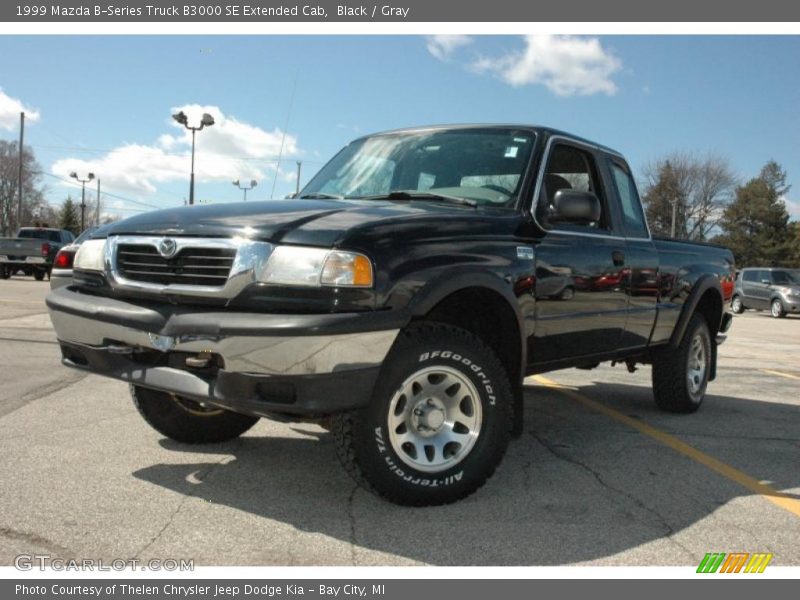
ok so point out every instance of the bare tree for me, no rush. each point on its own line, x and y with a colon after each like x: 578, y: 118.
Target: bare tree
x: 33, y: 202
x: 687, y: 194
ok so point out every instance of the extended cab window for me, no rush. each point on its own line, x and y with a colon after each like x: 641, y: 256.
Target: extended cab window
x: 570, y: 168
x: 632, y: 215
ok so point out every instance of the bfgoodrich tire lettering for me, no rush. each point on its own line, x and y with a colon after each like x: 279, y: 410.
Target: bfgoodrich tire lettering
x: 460, y: 439
x: 187, y: 421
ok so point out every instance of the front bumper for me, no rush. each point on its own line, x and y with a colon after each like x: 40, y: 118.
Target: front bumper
x: 256, y: 363
x: 791, y: 303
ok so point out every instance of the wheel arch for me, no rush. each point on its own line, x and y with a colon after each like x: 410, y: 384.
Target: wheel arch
x: 706, y: 300
x: 482, y: 305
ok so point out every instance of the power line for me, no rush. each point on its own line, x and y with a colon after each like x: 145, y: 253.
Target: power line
x: 175, y: 154
x: 106, y: 193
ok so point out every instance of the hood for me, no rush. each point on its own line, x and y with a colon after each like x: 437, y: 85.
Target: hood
x: 310, y: 222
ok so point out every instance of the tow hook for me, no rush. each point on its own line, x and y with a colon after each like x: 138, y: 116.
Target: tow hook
x: 200, y: 361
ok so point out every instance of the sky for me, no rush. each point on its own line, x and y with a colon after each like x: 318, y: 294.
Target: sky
x: 103, y: 103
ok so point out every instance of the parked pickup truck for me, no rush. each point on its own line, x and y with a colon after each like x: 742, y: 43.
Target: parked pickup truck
x: 32, y: 251
x: 401, y: 298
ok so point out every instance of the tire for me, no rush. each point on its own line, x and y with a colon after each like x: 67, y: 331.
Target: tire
x: 680, y: 376
x: 186, y: 421
x: 439, y: 421
x: 5, y: 272
x: 776, y: 309
x: 736, y: 305
x: 38, y: 275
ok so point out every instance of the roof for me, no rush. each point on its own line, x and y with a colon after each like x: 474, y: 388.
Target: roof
x: 539, y: 129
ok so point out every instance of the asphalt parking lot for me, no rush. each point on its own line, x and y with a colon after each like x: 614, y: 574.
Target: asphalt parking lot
x: 599, y: 476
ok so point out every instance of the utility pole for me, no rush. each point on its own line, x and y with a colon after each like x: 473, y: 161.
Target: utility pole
x: 674, y: 211
x: 297, y: 186
x: 19, y: 179
x: 97, y: 207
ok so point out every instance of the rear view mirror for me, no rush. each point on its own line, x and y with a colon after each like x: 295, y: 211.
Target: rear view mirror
x: 573, y: 206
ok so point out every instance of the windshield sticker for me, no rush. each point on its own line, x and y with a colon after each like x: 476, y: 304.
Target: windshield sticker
x: 511, y: 151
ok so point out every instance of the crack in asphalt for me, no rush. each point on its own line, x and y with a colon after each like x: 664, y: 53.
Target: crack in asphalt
x: 670, y: 531
x: 35, y: 539
x: 201, y: 475
x: 41, y: 392
x: 28, y: 341
x: 63, y: 429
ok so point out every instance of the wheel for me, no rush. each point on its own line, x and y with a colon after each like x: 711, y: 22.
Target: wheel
x: 5, y: 272
x: 568, y: 293
x: 438, y: 423
x: 187, y: 421
x: 680, y: 376
x: 38, y: 275
x: 736, y: 305
x: 777, y: 310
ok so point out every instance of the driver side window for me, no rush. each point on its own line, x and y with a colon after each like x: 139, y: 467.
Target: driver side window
x: 569, y: 168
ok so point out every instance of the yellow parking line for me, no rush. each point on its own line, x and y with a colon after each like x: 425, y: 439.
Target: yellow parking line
x: 784, y: 501
x: 781, y: 374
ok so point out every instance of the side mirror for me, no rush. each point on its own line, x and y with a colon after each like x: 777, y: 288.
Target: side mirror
x: 573, y: 206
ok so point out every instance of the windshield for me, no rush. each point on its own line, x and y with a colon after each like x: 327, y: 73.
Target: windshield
x: 485, y: 166
x: 39, y: 234
x: 785, y: 278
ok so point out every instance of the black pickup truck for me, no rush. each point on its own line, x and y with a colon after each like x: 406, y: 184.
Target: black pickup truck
x: 401, y: 299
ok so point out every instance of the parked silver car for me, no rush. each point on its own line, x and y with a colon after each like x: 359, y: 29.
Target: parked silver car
x: 773, y: 289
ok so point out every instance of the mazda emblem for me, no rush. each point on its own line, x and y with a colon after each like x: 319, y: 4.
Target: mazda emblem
x: 167, y: 247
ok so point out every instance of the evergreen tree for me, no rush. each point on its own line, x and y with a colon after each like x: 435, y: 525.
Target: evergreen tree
x: 756, y: 224
x: 68, y: 216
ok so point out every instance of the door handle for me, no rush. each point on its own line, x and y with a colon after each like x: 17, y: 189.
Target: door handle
x: 618, y: 257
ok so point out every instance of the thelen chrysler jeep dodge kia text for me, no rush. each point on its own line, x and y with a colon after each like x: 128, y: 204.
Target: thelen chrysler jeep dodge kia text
x: 401, y: 298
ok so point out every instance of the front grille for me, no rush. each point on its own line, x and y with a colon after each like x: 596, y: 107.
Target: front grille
x: 189, y: 266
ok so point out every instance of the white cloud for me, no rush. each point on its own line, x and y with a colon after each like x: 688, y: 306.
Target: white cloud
x: 566, y: 65
x: 230, y: 149
x: 10, y: 109
x: 792, y: 207
x: 442, y: 47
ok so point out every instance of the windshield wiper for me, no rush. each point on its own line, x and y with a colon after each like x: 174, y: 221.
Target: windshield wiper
x: 405, y: 195
x: 321, y: 196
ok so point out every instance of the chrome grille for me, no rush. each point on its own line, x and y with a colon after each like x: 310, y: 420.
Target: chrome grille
x: 189, y: 266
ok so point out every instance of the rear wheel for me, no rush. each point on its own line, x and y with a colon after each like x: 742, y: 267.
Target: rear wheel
x: 736, y: 305
x: 777, y: 310
x: 439, y: 421
x: 680, y: 375
x: 38, y: 275
x: 5, y: 272
x: 187, y: 421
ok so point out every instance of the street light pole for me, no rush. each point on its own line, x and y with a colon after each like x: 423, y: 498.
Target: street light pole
x: 206, y: 121
x: 19, y: 180
x: 89, y: 177
x: 297, y: 185
x: 244, y: 188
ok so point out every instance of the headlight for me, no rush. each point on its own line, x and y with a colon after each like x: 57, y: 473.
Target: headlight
x: 90, y: 256
x: 296, y: 265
